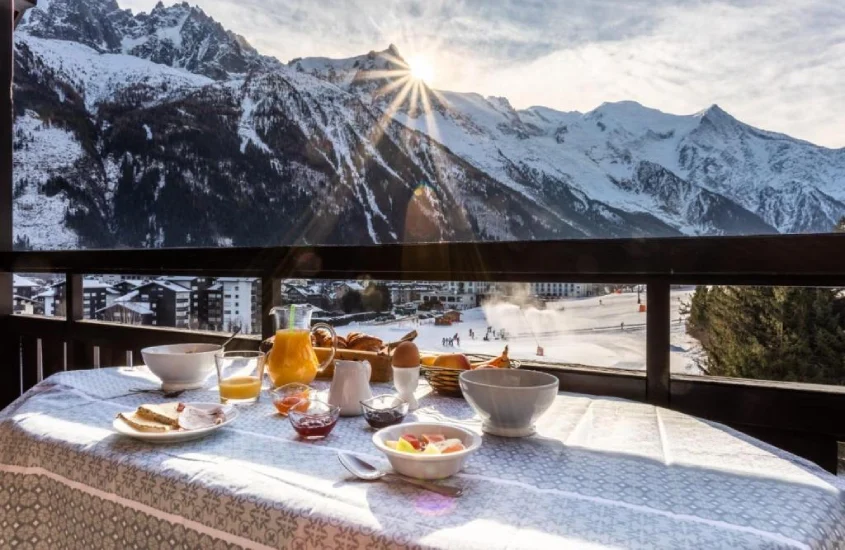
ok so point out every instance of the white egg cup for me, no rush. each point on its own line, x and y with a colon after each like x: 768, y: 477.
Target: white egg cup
x: 406, y: 380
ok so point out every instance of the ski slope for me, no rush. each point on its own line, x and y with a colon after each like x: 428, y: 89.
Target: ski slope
x: 584, y: 331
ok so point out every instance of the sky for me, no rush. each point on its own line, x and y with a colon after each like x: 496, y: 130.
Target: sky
x: 775, y: 64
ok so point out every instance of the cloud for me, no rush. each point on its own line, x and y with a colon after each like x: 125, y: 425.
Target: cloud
x: 776, y: 64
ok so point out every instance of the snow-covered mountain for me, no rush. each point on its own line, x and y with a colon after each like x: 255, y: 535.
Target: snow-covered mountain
x: 165, y: 129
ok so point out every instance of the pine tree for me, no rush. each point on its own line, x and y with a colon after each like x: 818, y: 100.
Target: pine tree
x: 771, y: 333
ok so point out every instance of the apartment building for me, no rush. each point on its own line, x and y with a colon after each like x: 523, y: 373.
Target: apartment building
x: 552, y: 291
x: 169, y: 302
x: 543, y: 290
x: 206, y: 303
x: 96, y: 295
x: 23, y: 286
x: 241, y: 303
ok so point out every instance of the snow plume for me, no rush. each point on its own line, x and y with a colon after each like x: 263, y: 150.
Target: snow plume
x: 522, y: 315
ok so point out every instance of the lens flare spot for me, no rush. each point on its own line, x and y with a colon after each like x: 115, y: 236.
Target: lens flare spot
x: 430, y: 504
x: 421, y: 68
x: 421, y: 189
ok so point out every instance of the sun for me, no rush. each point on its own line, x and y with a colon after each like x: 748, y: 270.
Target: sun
x: 421, y: 68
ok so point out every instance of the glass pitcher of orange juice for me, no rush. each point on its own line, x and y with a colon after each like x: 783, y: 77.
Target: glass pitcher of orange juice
x: 292, y: 357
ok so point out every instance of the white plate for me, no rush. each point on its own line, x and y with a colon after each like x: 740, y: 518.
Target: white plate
x: 175, y: 436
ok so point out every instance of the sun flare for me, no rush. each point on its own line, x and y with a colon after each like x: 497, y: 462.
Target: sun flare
x: 421, y: 68
x: 405, y: 86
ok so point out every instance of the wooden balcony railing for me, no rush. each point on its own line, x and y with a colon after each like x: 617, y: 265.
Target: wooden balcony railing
x: 806, y: 419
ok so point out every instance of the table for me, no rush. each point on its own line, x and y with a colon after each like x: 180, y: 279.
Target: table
x: 600, y: 473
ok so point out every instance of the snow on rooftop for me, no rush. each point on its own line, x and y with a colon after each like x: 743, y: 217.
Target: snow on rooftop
x: 141, y: 308
x: 94, y: 284
x: 127, y: 297
x: 171, y: 286
x: 18, y: 281
x: 168, y: 285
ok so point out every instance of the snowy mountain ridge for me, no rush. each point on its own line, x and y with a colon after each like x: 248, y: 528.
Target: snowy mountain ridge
x: 787, y: 184
x: 168, y: 113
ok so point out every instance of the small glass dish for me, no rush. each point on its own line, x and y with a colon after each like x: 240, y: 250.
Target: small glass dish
x: 384, y: 410
x: 316, y: 421
x: 287, y: 396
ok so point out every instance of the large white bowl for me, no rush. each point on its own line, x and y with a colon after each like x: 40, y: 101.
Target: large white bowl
x: 508, y: 401
x: 181, y: 366
x: 421, y: 466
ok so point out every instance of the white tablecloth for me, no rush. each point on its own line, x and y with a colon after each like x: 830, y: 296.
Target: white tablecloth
x: 601, y: 473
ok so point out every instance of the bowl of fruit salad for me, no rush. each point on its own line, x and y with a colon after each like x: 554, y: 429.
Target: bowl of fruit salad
x: 427, y: 450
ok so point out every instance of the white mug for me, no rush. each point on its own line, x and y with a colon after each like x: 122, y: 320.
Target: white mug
x: 350, y: 386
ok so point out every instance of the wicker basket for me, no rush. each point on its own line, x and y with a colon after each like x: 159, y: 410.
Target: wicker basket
x: 443, y: 380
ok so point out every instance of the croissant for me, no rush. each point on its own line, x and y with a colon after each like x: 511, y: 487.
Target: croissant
x: 363, y: 342
x: 321, y: 338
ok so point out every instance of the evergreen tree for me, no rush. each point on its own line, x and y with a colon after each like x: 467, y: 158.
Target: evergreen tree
x: 351, y: 302
x: 377, y: 298
x: 772, y: 333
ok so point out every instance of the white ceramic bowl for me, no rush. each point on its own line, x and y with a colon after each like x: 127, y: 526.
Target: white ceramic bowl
x: 421, y: 466
x: 509, y: 401
x: 181, y: 366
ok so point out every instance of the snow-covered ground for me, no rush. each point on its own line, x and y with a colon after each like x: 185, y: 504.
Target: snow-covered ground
x: 585, y: 331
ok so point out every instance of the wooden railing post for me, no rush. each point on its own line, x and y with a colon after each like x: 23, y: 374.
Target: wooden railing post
x: 657, y: 343
x: 29, y: 361
x: 270, y: 296
x: 79, y: 352
x: 9, y: 342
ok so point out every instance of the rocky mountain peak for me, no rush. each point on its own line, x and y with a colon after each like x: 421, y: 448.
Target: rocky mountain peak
x: 394, y: 51
x: 717, y: 117
x: 180, y: 35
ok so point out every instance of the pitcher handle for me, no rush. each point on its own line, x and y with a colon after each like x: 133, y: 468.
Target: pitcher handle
x: 328, y: 361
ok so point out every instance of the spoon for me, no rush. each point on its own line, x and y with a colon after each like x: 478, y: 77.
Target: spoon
x: 368, y: 472
x: 165, y: 394
x: 232, y: 337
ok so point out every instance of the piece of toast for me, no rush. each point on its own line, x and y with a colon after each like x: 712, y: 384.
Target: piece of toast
x: 144, y: 424
x: 163, y: 413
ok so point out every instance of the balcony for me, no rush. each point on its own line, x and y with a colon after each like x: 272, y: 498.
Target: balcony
x: 802, y: 418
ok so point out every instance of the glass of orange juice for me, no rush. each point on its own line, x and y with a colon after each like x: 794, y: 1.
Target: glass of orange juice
x: 239, y: 375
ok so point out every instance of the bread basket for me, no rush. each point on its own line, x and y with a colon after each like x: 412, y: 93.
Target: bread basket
x: 444, y: 380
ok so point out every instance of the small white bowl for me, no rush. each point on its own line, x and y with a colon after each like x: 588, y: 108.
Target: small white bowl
x: 181, y: 366
x: 422, y: 466
x: 509, y: 401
